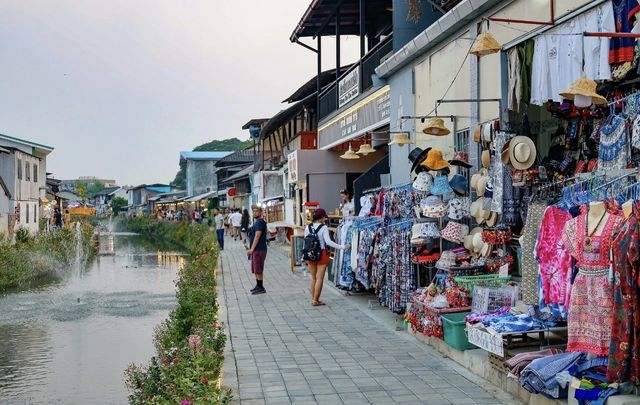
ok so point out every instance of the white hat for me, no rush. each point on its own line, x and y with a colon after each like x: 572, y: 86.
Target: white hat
x: 522, y: 152
x: 424, y: 182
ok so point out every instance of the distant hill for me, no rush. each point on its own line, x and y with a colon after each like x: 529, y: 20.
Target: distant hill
x: 231, y: 144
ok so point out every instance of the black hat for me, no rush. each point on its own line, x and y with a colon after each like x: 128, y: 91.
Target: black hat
x: 416, y: 156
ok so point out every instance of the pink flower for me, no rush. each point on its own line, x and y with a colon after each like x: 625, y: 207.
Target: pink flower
x: 185, y: 402
x: 195, y: 342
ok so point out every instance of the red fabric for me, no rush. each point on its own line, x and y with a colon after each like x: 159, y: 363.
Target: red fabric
x: 324, y: 259
x: 257, y: 261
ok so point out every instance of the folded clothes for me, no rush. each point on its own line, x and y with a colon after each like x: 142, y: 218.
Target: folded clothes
x: 521, y: 360
x: 475, y: 318
x: 513, y: 323
x: 539, y: 375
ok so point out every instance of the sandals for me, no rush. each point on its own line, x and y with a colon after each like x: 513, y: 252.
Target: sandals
x: 317, y: 303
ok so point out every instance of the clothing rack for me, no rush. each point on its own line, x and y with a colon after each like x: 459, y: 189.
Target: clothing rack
x: 378, y: 189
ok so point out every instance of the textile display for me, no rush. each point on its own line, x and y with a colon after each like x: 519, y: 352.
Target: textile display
x: 535, y: 214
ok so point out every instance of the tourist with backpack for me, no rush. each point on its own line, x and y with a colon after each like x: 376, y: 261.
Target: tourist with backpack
x: 314, y: 251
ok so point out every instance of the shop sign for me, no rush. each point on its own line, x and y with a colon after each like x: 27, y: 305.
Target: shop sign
x: 348, y: 87
x: 485, y: 340
x: 368, y: 114
x: 293, y: 166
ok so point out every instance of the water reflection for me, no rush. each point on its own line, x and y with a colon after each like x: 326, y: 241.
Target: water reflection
x: 70, y: 342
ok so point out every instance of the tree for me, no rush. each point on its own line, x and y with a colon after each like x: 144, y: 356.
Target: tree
x: 231, y: 144
x: 94, y: 188
x: 118, y: 204
x: 81, y: 190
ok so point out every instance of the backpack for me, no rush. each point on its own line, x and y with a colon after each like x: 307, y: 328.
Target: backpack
x: 311, y: 248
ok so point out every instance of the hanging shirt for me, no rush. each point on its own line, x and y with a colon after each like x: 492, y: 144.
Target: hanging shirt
x: 622, y: 49
x: 559, y: 54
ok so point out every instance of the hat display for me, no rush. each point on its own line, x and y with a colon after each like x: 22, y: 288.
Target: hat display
x: 460, y: 158
x: 477, y: 133
x: 400, y: 138
x: 459, y: 184
x: 477, y: 242
x: 455, y: 232
x: 429, y: 230
x: 459, y: 208
x: 485, y: 44
x: 486, y: 158
x: 468, y: 240
x: 504, y: 155
x: 586, y: 88
x: 441, y: 186
x: 435, y: 126
x: 424, y: 182
x: 493, y: 219
x: 486, y: 132
x: 433, y: 207
x: 481, y: 187
x: 435, y: 160
x: 447, y: 260
x: 416, y: 156
x: 522, y: 152
x: 415, y: 233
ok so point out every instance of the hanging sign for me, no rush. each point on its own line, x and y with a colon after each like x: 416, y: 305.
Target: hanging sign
x: 293, y: 166
x: 349, y: 87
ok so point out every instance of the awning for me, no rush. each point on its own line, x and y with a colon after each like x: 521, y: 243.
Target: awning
x: 240, y: 175
x: 200, y: 197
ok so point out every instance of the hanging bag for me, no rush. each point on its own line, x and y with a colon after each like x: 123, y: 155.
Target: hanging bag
x: 312, y: 249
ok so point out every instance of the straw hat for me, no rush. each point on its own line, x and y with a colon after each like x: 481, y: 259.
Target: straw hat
x: 434, y: 160
x: 476, y: 177
x: 477, y: 133
x: 477, y: 242
x: 436, y: 127
x: 584, y: 87
x: 493, y: 219
x: 485, y: 44
x: 505, y: 154
x: 522, y: 152
x: 400, y: 138
x: 486, y: 159
x: 486, y: 132
x: 481, y: 186
x: 477, y: 212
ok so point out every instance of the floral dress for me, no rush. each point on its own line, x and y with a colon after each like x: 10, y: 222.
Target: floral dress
x: 624, y: 353
x: 591, y: 303
x: 554, y: 263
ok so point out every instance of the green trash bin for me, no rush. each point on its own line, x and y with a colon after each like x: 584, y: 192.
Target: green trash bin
x: 454, y: 326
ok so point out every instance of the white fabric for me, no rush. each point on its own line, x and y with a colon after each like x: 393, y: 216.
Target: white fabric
x: 323, y: 235
x: 236, y: 219
x: 514, y: 80
x: 348, y: 209
x: 560, y: 53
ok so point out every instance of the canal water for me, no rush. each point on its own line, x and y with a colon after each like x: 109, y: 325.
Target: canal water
x: 70, y: 342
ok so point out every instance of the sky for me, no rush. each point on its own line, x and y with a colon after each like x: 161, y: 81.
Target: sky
x: 120, y: 87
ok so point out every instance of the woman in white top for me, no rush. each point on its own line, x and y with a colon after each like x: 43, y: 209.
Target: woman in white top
x: 318, y: 268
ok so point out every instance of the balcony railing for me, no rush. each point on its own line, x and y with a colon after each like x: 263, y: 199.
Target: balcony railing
x: 328, y: 99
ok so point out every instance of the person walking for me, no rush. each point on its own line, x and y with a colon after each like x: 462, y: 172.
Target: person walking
x: 244, y: 227
x: 218, y: 220
x: 236, y: 221
x: 318, y: 268
x: 258, y: 249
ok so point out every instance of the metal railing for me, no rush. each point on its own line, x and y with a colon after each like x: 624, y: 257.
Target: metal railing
x: 328, y: 98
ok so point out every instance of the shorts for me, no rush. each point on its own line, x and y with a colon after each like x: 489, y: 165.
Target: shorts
x: 324, y: 259
x: 257, y: 261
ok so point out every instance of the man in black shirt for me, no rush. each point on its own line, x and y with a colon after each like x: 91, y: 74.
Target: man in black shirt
x: 258, y: 248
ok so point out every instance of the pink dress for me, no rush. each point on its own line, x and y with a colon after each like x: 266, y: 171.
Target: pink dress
x: 554, y: 263
x: 591, y: 305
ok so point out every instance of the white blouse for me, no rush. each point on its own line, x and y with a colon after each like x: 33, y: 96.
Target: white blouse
x: 323, y: 236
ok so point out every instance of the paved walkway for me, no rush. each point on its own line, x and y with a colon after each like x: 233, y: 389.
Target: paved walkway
x: 281, y: 350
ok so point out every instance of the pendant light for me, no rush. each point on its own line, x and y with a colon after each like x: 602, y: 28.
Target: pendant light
x: 350, y: 154
x: 365, y: 148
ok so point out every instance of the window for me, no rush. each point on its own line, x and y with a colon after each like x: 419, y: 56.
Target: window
x: 27, y: 211
x: 35, y: 173
x: 27, y: 171
x: 19, y: 169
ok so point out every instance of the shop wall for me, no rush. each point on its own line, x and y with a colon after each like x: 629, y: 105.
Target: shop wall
x: 324, y: 188
x: 402, y: 104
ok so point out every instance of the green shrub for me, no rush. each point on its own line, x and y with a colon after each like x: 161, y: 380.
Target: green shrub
x: 190, y: 342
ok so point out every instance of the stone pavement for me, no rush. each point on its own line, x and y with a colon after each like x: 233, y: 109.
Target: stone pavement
x: 282, y: 350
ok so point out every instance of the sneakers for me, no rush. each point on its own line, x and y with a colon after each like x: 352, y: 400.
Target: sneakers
x: 259, y: 290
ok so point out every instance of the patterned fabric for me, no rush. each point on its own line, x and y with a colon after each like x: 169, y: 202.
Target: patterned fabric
x: 624, y: 350
x: 398, y: 280
x: 613, y: 149
x: 347, y: 278
x: 591, y: 302
x: 622, y: 49
x: 529, y: 265
x: 510, y: 200
x: 459, y: 208
x: 497, y: 172
x: 554, y: 263
x: 365, y: 249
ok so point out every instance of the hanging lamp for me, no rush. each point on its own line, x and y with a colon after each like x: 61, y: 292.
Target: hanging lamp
x: 400, y: 138
x: 365, y: 149
x: 485, y: 44
x: 350, y: 154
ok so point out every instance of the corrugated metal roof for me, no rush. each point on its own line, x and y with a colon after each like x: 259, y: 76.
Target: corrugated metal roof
x: 214, y: 155
x: 240, y: 156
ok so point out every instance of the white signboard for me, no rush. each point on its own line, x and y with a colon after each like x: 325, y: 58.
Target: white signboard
x: 293, y: 166
x: 348, y: 87
x: 485, y: 340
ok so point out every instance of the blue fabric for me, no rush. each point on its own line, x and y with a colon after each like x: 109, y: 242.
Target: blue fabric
x: 585, y: 364
x: 540, y: 374
x: 513, y: 323
x: 220, y: 235
x: 596, y: 396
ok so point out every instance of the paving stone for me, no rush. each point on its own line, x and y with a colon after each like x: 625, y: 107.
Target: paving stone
x: 290, y: 352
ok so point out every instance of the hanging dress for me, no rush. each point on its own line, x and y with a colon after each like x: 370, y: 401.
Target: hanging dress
x: 613, y: 149
x: 591, y: 304
x: 624, y: 352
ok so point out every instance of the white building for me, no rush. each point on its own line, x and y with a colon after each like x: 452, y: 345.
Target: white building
x: 23, y: 167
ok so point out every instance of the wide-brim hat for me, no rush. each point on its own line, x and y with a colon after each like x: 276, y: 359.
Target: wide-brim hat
x: 423, y: 182
x: 584, y: 87
x: 481, y: 186
x: 522, y: 152
x: 493, y: 219
x: 486, y: 158
x: 485, y: 44
x: 478, y: 212
x: 460, y: 158
x: 486, y: 132
x: 435, y: 126
x: 416, y: 156
x: 400, y: 138
x: 435, y: 160
x: 504, y: 155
